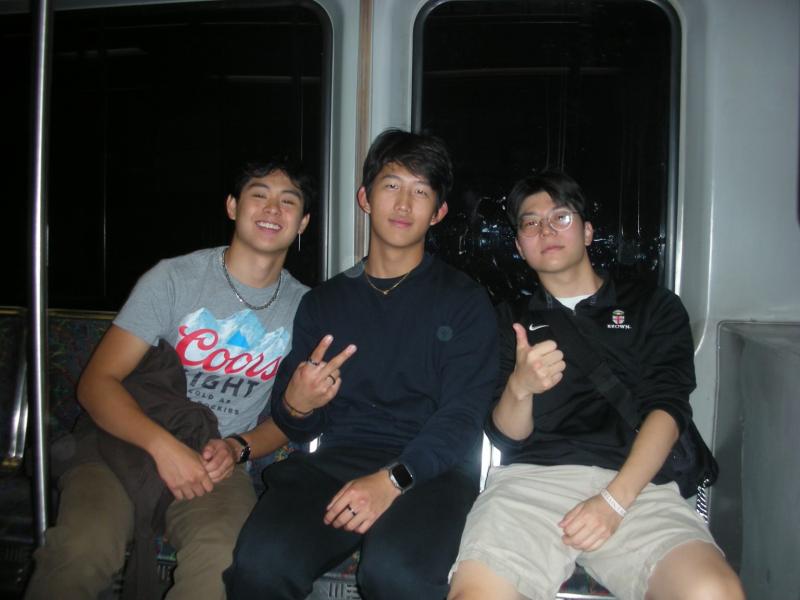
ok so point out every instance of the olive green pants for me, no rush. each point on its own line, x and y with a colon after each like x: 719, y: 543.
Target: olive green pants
x: 86, y: 547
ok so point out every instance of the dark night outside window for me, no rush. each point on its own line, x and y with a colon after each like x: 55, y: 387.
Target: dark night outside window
x: 153, y: 109
x: 586, y: 86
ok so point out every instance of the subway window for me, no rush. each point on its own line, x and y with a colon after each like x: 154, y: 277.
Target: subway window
x: 586, y: 86
x: 153, y: 110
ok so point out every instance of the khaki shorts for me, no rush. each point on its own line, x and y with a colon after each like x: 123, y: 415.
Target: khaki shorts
x: 513, y: 529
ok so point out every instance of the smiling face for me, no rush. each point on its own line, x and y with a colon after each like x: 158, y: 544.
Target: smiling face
x: 553, y: 252
x: 268, y: 213
x: 402, y: 206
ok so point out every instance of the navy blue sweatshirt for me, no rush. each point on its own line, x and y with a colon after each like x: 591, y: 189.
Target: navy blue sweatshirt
x: 423, y: 376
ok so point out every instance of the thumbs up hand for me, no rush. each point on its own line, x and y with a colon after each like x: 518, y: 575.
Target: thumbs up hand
x: 538, y: 368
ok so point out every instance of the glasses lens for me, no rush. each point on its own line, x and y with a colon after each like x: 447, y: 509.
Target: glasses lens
x: 561, y: 219
x: 530, y: 226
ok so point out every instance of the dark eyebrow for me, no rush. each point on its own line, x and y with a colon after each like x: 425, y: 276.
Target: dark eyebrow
x: 259, y: 184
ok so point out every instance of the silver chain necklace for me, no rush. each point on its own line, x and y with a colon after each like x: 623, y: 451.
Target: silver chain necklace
x: 239, y: 296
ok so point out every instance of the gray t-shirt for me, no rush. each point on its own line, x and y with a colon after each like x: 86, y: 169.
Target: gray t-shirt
x: 230, y: 353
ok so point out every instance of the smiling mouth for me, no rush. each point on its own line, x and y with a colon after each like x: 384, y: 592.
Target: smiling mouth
x: 268, y: 225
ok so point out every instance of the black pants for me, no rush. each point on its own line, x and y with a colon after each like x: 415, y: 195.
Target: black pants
x: 284, y: 546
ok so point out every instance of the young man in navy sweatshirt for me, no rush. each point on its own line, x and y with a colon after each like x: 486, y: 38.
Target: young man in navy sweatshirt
x: 393, y: 364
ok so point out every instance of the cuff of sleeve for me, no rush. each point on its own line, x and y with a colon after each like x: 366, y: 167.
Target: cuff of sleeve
x: 296, y: 429
x: 681, y: 418
x: 501, y: 440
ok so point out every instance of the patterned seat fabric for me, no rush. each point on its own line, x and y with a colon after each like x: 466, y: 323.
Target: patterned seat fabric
x: 72, y: 336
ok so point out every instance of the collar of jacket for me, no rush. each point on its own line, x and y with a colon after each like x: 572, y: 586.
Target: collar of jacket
x: 605, y: 297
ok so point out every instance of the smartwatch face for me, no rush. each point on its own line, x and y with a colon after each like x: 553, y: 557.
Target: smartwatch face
x: 402, y: 476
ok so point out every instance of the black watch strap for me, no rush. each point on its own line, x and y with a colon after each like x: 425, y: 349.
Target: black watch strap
x: 244, y: 455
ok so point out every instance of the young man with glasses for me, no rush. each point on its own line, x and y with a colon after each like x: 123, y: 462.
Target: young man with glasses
x: 577, y: 483
x: 400, y: 422
x: 227, y: 311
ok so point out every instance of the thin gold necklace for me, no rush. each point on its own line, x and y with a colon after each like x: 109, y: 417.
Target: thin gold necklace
x: 386, y: 291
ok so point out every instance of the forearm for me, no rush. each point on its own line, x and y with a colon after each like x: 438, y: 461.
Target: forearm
x: 651, y: 447
x: 114, y: 410
x: 265, y: 438
x: 513, y: 414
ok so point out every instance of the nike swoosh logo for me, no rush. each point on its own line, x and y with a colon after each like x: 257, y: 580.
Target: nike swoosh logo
x: 533, y: 327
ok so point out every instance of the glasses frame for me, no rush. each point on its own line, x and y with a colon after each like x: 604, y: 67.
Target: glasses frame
x: 546, y: 219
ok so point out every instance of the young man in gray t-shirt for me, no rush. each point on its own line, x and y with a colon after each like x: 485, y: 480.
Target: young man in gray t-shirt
x: 228, y: 313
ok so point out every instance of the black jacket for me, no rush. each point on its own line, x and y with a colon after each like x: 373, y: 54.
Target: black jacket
x: 643, y: 334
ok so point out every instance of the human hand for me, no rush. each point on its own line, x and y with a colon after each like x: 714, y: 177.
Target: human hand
x: 220, y: 458
x: 539, y: 367
x: 587, y: 526
x: 182, y: 469
x: 361, y: 502
x: 316, y: 382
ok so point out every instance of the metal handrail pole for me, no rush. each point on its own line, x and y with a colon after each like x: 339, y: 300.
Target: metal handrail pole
x: 42, y: 58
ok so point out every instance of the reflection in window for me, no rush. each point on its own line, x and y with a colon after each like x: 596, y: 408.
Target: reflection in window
x: 586, y: 86
x: 153, y: 110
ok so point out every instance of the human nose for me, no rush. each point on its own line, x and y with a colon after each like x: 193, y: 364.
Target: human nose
x: 403, y: 202
x: 546, y: 228
x: 272, y: 205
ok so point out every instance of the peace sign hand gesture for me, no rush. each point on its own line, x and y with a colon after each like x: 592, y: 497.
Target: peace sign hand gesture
x: 315, y: 382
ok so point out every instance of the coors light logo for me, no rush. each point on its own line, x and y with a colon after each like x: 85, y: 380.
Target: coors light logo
x: 234, y: 346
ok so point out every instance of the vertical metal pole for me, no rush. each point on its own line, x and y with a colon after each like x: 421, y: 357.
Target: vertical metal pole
x: 42, y: 36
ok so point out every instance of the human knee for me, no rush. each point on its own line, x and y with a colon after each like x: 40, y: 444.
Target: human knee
x: 90, y: 549
x: 717, y: 586
x: 261, y: 568
x: 391, y: 578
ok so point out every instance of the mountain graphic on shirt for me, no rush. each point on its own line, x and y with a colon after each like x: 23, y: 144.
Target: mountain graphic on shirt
x: 240, y: 332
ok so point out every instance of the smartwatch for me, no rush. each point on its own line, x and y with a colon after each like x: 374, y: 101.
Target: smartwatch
x: 400, y: 476
x: 244, y: 454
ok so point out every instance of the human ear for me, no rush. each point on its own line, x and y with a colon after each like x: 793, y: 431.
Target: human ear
x: 588, y: 233
x: 303, y: 223
x: 439, y: 214
x: 363, y: 201
x: 230, y: 207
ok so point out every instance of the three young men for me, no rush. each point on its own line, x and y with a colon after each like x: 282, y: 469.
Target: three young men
x: 578, y: 484
x: 228, y: 313
x: 393, y: 364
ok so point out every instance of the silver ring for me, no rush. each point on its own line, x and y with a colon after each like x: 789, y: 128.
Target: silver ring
x: 333, y: 379
x: 350, y: 508
x: 312, y: 362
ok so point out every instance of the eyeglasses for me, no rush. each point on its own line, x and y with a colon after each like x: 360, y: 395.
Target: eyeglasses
x: 558, y: 219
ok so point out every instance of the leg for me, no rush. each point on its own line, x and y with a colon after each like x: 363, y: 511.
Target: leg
x: 204, y: 531
x: 662, y: 550
x: 511, y: 546
x: 86, y: 547
x: 694, y: 571
x: 409, y: 550
x: 284, y: 545
x: 475, y: 581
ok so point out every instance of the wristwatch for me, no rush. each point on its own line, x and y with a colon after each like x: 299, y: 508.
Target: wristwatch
x: 244, y: 455
x: 400, y: 476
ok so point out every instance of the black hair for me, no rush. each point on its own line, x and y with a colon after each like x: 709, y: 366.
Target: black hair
x: 422, y: 154
x: 294, y: 171
x: 562, y: 188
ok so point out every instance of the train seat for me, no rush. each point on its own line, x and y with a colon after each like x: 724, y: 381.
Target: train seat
x: 72, y: 336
